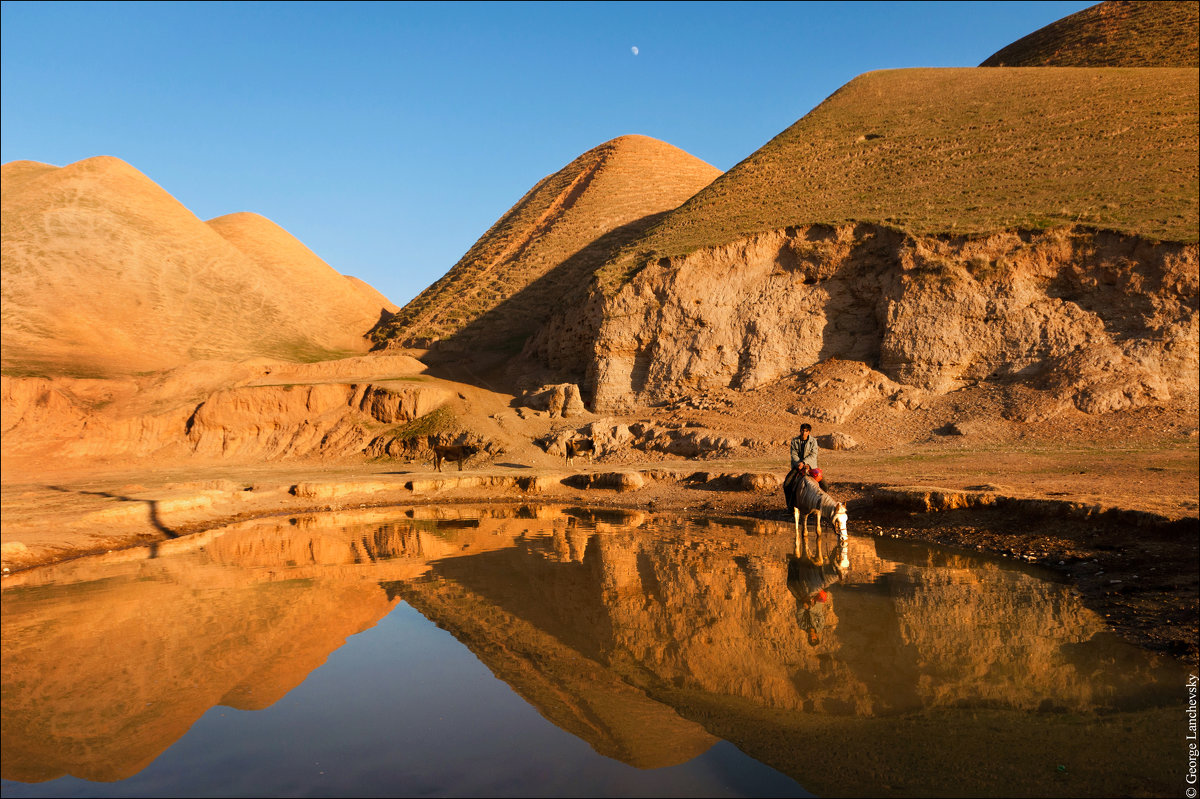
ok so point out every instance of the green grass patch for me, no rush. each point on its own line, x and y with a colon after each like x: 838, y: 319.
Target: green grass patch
x: 308, y: 352
x: 49, y: 370
x: 439, y: 421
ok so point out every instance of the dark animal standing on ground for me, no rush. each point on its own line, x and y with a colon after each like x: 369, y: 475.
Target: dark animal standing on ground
x: 806, y: 495
x: 579, y: 446
x: 452, y: 452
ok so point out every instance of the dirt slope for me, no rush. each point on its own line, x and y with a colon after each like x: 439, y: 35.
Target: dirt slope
x: 106, y: 273
x: 1076, y: 318
x: 1119, y: 33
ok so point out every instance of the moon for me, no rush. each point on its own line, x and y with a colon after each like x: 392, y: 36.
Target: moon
x: 634, y: 49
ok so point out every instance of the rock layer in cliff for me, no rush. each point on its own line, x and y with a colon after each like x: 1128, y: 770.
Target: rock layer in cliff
x: 1096, y: 320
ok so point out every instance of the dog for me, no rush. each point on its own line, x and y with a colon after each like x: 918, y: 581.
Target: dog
x: 452, y: 452
x: 579, y: 446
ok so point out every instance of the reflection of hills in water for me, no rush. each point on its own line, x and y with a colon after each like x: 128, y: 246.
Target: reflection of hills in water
x: 643, y: 635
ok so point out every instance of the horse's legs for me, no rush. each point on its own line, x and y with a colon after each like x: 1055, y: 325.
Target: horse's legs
x: 803, y: 535
x: 796, y: 519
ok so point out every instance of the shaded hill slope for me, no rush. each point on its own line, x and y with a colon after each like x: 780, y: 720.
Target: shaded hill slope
x: 1118, y: 33
x: 962, y: 151
x: 106, y: 273
x: 548, y: 245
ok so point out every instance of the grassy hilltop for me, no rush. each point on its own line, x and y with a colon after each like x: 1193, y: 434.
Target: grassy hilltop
x: 1113, y: 34
x: 964, y: 151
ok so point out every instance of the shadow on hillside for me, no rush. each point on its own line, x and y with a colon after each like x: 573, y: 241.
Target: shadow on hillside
x: 155, y: 519
x: 478, y: 352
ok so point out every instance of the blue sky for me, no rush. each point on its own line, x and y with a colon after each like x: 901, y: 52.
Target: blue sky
x: 389, y: 136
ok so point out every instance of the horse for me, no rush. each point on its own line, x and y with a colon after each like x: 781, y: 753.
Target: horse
x: 452, y: 452
x: 579, y: 446
x: 807, y: 495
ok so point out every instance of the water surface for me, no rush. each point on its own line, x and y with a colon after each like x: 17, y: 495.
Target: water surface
x: 543, y: 651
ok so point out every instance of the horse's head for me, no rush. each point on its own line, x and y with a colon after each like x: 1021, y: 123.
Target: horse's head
x: 839, y: 520
x: 842, y: 553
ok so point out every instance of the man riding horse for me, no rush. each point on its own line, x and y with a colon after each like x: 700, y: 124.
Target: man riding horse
x: 804, y: 490
x: 804, y: 455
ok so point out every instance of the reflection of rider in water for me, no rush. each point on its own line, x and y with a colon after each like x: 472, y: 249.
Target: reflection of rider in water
x: 808, y: 578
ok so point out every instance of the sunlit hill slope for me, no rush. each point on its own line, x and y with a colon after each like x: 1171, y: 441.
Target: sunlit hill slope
x: 1031, y: 227
x: 1124, y: 33
x: 961, y: 152
x: 548, y: 245
x: 106, y: 273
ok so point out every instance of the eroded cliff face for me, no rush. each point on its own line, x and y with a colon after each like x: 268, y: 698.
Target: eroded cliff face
x: 1099, y: 320
x: 98, y: 418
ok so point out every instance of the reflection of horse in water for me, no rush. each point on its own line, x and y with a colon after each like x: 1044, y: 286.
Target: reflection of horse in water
x: 805, y: 494
x: 810, y: 575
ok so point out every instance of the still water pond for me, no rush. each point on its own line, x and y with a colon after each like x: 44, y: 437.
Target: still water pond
x: 549, y: 651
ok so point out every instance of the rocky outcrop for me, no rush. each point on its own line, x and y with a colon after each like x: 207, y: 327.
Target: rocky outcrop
x: 615, y: 440
x: 837, y: 441
x: 1099, y: 320
x: 562, y: 400
x: 328, y: 418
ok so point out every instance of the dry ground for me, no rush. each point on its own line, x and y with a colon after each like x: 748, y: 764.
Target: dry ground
x: 1136, y: 564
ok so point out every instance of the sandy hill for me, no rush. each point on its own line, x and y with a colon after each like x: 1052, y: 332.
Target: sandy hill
x: 1119, y: 33
x: 316, y: 288
x: 106, y: 273
x: 371, y: 294
x: 963, y: 151
x: 548, y: 245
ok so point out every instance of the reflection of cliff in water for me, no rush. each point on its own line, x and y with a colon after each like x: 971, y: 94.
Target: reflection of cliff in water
x: 939, y: 671
x: 698, y: 606
x: 643, y: 635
